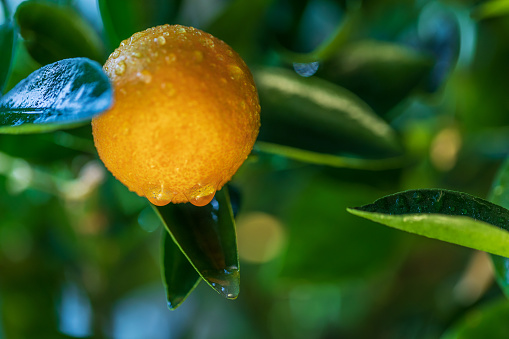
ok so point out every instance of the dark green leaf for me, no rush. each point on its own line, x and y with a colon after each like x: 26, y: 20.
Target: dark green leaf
x: 206, y: 235
x: 239, y: 24
x: 490, y: 321
x: 123, y: 18
x: 500, y: 195
x: 22, y: 65
x: 53, y: 33
x: 179, y: 276
x: 316, y: 115
x: 328, y: 159
x: 381, y: 73
x: 455, y: 217
x: 59, y: 95
x: 7, y: 41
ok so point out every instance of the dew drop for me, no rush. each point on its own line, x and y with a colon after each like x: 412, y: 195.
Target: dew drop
x: 161, y: 40
x: 235, y: 72
x: 201, y: 196
x: 170, y: 58
x: 181, y: 29
x: 120, y: 69
x: 158, y: 195
x: 198, y: 56
x: 207, y: 42
x: 145, y: 76
x: 115, y: 54
x: 166, y: 33
x: 137, y: 55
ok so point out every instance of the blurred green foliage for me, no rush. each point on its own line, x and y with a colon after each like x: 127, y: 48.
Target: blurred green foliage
x: 77, y: 258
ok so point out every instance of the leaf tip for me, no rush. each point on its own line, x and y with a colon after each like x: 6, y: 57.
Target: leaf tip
x: 225, y: 282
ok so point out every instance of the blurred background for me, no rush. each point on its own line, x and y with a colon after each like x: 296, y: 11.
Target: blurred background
x: 80, y: 254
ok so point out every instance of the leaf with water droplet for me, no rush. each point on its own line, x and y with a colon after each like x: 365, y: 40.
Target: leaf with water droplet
x: 53, y: 32
x: 60, y: 95
x: 179, y: 276
x: 455, y: 217
x: 316, y: 115
x: 500, y: 195
x: 7, y: 42
x: 207, y: 237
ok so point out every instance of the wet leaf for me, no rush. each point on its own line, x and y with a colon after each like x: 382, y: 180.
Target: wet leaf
x: 123, y: 18
x: 61, y: 95
x: 328, y: 159
x: 179, y: 276
x: 500, y: 195
x: 455, y: 217
x: 54, y: 32
x: 381, y: 73
x: 316, y: 115
x: 207, y: 237
x: 490, y: 321
x: 7, y: 41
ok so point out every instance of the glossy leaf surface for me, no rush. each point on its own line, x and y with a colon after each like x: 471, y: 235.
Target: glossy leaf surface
x: 123, y: 18
x: 207, y: 237
x: 500, y: 195
x: 7, y: 41
x: 53, y: 32
x: 63, y: 94
x: 179, y: 276
x: 489, y: 321
x: 455, y: 217
x: 328, y: 159
x: 316, y: 115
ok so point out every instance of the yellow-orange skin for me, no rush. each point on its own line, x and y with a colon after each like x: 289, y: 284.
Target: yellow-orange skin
x: 186, y: 115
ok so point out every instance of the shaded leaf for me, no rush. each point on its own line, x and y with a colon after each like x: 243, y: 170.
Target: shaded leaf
x: 316, y: 115
x: 123, y: 18
x: 381, y: 73
x: 179, y: 276
x: 53, y: 32
x: 455, y: 217
x: 328, y: 159
x: 22, y: 65
x: 7, y: 41
x: 491, y: 9
x: 489, y: 321
x: 500, y: 195
x: 63, y: 94
x: 206, y: 235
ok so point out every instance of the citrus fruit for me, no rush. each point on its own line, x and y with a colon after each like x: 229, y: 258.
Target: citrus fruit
x: 186, y: 115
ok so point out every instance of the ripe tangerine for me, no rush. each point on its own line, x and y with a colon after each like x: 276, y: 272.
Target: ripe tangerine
x: 186, y: 115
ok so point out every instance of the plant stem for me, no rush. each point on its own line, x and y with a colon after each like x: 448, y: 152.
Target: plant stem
x: 5, y: 8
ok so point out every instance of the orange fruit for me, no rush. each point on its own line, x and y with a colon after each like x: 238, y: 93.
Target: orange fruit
x: 185, y: 117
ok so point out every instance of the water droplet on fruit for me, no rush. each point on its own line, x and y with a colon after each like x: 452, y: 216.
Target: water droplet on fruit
x: 161, y: 40
x: 145, y: 76
x: 158, y: 195
x: 207, y: 42
x: 235, y: 72
x: 137, y: 55
x: 198, y: 56
x: 202, y: 195
x: 120, y: 69
x: 181, y: 29
x: 115, y: 54
x: 170, y: 58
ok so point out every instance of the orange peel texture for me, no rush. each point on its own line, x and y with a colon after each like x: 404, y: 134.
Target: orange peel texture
x: 186, y: 115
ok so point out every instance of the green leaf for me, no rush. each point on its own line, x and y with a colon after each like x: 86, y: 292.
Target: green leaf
x: 500, y: 195
x: 489, y: 321
x: 316, y: 115
x: 381, y: 73
x: 331, y: 45
x: 22, y: 64
x: 491, y: 9
x: 207, y: 237
x: 239, y: 25
x: 123, y: 18
x: 61, y: 95
x: 7, y: 41
x: 179, y: 276
x: 54, y: 32
x: 328, y: 159
x: 455, y: 217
